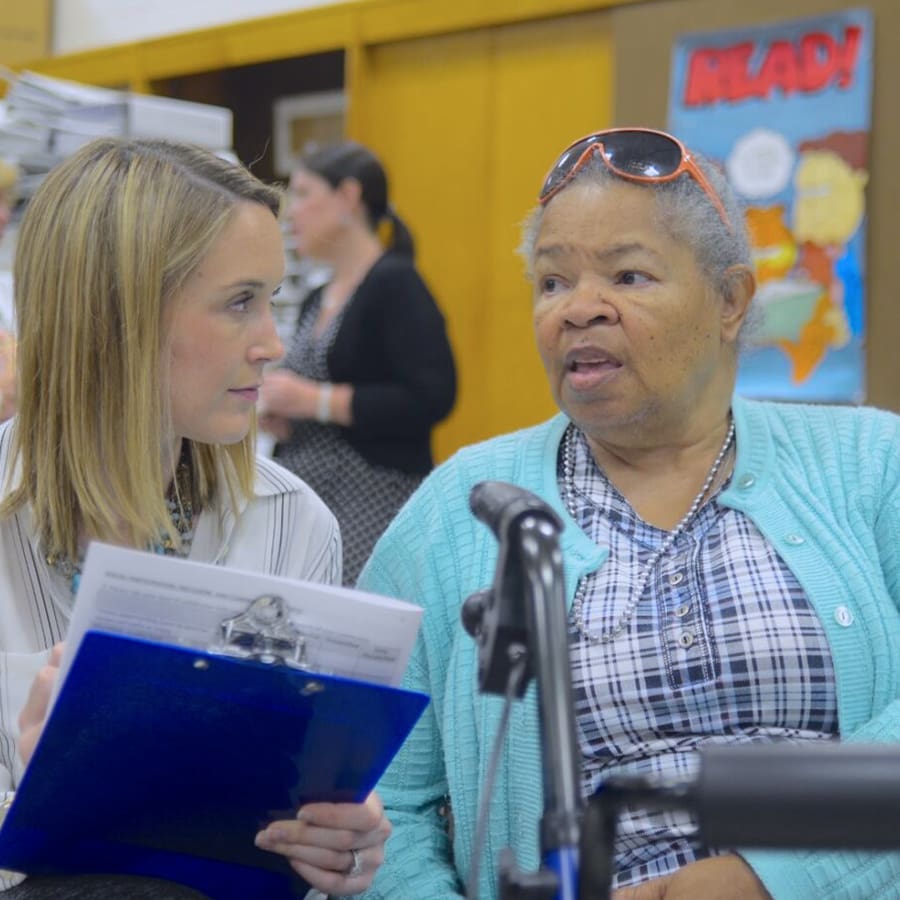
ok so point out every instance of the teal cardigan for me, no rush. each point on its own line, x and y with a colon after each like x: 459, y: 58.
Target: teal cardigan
x: 821, y: 483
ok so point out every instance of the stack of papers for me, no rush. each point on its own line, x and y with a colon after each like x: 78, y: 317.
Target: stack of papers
x: 39, y: 97
x: 45, y: 119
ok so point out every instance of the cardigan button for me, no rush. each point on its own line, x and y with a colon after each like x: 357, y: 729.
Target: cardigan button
x: 843, y: 617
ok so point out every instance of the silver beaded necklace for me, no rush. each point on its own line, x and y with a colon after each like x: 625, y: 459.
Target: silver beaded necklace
x: 606, y: 637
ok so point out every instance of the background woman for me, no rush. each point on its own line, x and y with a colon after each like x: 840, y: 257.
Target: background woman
x: 370, y: 370
x: 732, y: 567
x: 144, y: 277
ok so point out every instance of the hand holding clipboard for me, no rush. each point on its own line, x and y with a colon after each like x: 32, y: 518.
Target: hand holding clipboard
x: 167, y: 760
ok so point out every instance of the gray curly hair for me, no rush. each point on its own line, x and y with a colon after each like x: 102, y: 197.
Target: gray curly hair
x: 686, y: 213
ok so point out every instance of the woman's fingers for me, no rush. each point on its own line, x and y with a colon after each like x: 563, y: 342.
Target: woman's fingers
x: 336, y: 847
x: 367, y: 816
x: 33, y: 714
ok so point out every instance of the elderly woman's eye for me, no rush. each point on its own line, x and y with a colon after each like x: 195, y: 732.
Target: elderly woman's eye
x: 632, y: 277
x: 549, y: 284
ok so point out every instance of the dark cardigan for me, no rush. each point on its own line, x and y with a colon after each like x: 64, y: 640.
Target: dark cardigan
x: 392, y: 347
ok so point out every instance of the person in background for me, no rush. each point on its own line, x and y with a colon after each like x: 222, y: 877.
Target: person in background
x: 370, y: 370
x: 9, y: 182
x: 9, y: 179
x: 8, y: 378
x: 144, y: 277
x: 732, y: 567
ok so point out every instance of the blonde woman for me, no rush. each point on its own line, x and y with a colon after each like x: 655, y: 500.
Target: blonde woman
x: 144, y: 277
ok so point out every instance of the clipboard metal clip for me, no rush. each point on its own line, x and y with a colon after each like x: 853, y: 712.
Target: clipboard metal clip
x: 263, y: 632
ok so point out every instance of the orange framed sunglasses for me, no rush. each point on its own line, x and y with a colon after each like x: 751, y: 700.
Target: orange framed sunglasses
x: 643, y: 155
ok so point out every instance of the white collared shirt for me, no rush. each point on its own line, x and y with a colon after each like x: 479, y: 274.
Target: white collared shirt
x: 285, y: 530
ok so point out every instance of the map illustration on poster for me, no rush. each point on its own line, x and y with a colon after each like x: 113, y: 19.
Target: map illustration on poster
x: 785, y: 109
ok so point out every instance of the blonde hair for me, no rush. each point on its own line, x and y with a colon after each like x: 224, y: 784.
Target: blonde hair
x: 108, y: 237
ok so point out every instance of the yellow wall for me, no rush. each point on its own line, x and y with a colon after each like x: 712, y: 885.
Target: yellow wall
x: 25, y: 30
x: 468, y: 124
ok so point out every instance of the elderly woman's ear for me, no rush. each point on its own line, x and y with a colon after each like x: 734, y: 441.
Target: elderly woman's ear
x: 738, y: 288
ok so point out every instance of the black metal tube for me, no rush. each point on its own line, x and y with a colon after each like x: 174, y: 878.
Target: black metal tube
x: 548, y: 637
x: 827, y: 796
x: 805, y: 796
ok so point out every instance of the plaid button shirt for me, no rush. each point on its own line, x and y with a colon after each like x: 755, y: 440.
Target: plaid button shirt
x: 723, y: 647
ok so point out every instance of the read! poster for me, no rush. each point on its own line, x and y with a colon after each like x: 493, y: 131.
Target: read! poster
x: 785, y: 109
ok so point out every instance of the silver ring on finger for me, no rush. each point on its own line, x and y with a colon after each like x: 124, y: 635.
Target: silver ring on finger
x: 356, y: 866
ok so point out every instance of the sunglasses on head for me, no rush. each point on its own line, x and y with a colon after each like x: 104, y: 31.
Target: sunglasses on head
x: 635, y: 154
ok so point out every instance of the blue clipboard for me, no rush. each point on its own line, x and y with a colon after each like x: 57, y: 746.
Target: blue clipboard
x: 163, y: 761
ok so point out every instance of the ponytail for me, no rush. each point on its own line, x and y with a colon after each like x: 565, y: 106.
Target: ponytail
x: 400, y: 240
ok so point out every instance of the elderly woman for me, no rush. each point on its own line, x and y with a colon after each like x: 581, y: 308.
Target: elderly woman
x: 732, y: 567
